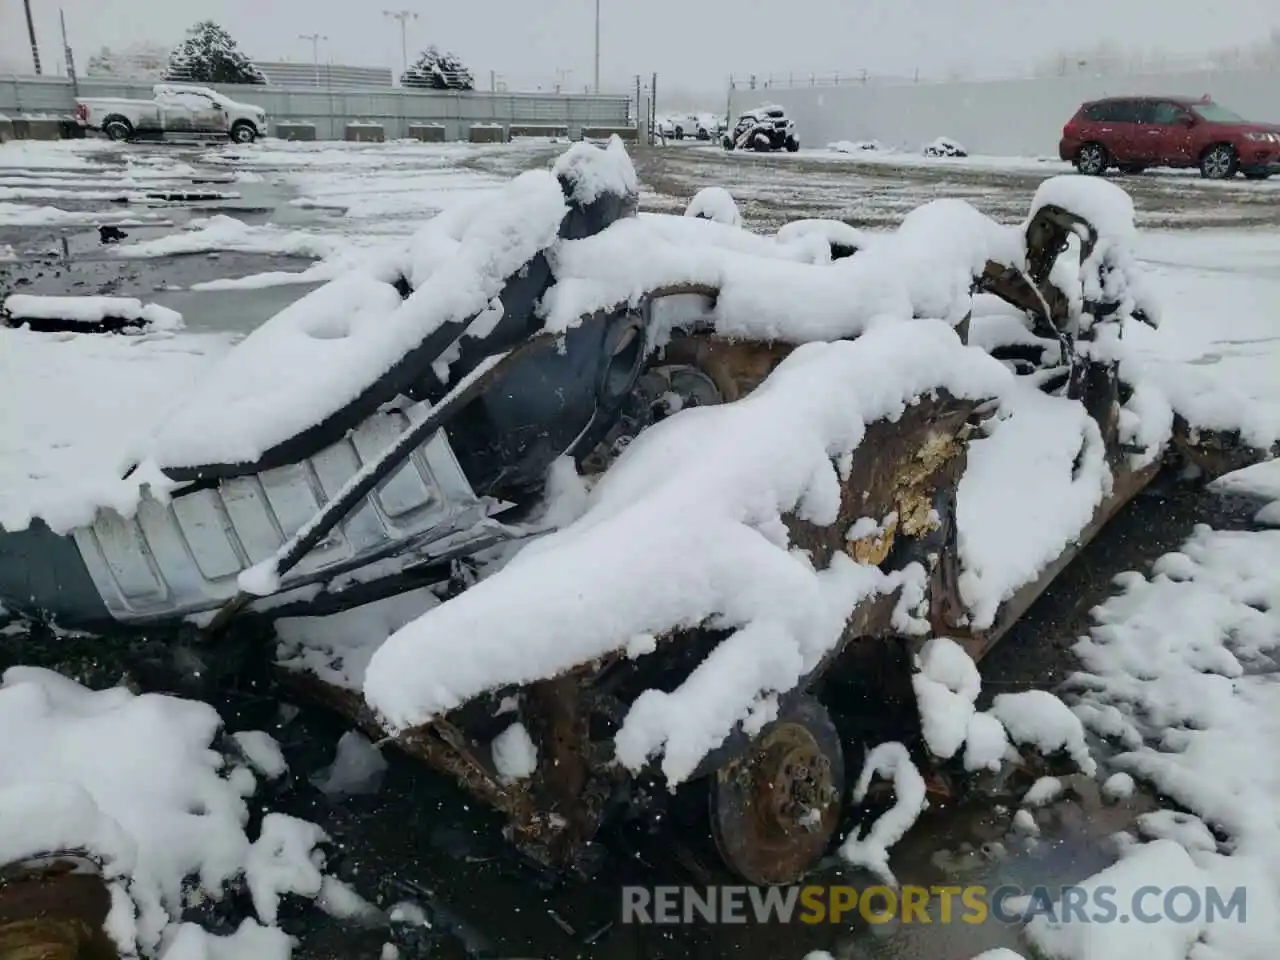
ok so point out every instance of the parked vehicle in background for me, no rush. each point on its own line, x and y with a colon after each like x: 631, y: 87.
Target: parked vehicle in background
x: 763, y: 129
x: 709, y: 126
x: 175, y: 110
x: 1134, y: 133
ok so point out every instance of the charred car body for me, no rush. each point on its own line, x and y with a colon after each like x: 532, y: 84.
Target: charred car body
x: 764, y: 129
x: 430, y: 464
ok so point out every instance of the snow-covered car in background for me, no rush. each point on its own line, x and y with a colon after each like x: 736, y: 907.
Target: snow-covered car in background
x: 944, y: 147
x: 181, y: 110
x: 457, y: 429
x: 676, y: 126
x: 763, y: 129
x: 708, y: 126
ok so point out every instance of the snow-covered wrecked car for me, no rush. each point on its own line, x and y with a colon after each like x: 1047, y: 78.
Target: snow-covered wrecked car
x: 575, y: 503
x: 763, y: 129
x: 943, y: 147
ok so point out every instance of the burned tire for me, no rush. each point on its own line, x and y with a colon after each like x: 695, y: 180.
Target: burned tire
x: 243, y: 132
x: 1219, y: 162
x: 118, y: 128
x: 1257, y: 174
x: 1092, y: 159
x: 775, y: 810
x: 727, y: 143
x: 1133, y: 169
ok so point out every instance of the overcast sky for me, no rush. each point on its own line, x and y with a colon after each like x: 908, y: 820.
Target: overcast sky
x: 692, y: 44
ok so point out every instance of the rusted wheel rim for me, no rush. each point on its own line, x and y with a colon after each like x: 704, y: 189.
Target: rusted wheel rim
x: 774, y: 812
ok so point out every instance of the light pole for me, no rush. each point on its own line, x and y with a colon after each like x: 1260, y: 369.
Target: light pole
x: 315, y: 39
x: 31, y: 32
x: 403, y: 16
x: 597, y: 83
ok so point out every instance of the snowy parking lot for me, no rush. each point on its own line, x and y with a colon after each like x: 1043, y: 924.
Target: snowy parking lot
x: 1169, y: 670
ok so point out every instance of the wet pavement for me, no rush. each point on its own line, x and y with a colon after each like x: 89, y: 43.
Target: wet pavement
x: 69, y: 258
x: 420, y: 838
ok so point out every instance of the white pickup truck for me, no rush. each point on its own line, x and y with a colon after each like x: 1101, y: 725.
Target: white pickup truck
x: 175, y: 110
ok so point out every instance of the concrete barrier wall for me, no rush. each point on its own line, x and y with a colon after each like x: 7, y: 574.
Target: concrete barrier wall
x: 394, y: 108
x: 1000, y: 117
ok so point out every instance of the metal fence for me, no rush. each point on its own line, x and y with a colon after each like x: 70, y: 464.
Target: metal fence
x: 331, y: 110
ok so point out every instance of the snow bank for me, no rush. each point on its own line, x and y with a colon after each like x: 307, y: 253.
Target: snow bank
x: 321, y: 352
x: 697, y: 501
x: 134, y: 781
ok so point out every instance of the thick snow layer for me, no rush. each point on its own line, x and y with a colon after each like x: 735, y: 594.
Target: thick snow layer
x: 1028, y: 489
x: 871, y: 850
x: 322, y: 351
x: 90, y: 310
x: 594, y: 172
x: 714, y: 203
x: 1039, y: 719
x: 697, y: 501
x: 946, y: 688
x: 63, y: 451
x: 1104, y: 204
x: 134, y: 781
x: 924, y: 269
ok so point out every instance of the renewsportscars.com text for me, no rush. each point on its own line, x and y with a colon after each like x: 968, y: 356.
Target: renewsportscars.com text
x: 970, y: 904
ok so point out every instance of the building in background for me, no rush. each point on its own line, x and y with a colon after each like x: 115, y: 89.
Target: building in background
x: 327, y: 76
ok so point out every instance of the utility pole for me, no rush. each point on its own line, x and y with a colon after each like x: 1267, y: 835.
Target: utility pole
x: 403, y: 16
x: 597, y: 83
x: 31, y: 32
x: 315, y: 39
x: 71, y: 60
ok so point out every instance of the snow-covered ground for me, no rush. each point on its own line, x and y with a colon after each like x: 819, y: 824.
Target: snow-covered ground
x: 1179, y: 671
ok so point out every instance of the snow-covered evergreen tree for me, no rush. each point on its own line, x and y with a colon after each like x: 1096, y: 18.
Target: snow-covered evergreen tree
x: 438, y: 71
x: 209, y: 55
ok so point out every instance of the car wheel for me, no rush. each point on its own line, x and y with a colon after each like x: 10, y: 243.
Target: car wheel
x: 243, y: 133
x: 117, y: 129
x: 1257, y: 174
x: 1092, y: 160
x: 761, y: 143
x: 1219, y: 163
x: 727, y: 143
x: 793, y: 145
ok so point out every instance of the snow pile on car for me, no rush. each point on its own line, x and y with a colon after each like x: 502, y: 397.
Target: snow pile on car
x: 134, y: 782
x: 684, y: 529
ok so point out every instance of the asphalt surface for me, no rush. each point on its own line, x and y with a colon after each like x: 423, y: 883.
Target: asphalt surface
x: 419, y: 838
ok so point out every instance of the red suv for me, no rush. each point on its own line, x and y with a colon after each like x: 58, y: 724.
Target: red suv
x: 1134, y: 133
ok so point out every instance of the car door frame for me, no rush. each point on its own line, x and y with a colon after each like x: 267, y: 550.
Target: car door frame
x: 1177, y: 139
